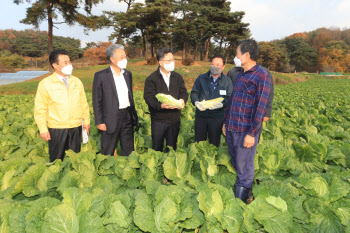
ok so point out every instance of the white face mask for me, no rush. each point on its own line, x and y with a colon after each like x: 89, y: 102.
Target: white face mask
x: 67, y: 70
x: 169, y: 67
x: 237, y: 62
x: 122, y: 64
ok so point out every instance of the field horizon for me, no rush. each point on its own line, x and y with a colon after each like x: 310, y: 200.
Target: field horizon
x: 141, y: 71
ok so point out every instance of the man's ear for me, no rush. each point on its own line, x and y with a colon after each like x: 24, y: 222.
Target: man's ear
x: 55, y: 66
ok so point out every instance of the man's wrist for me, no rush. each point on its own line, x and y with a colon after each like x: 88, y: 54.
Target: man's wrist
x: 251, y: 133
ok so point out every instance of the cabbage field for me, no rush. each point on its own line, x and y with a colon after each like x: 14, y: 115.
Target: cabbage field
x: 302, y: 176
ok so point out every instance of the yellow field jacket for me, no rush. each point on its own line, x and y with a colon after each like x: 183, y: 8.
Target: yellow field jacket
x: 56, y: 106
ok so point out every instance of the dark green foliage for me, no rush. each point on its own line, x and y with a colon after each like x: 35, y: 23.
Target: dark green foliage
x: 32, y: 43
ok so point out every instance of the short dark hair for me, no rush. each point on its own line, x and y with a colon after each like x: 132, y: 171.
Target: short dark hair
x: 219, y: 56
x: 250, y: 46
x: 53, y: 58
x: 162, y: 52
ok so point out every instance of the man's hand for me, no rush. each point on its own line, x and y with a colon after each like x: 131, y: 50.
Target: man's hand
x: 224, y: 129
x: 45, y: 136
x: 102, y: 127
x: 199, y: 106
x: 182, y: 103
x: 166, y: 106
x: 87, y: 128
x: 266, y: 119
x: 248, y: 141
x: 216, y: 106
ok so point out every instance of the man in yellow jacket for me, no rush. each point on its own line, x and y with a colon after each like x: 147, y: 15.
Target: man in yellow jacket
x: 60, y: 106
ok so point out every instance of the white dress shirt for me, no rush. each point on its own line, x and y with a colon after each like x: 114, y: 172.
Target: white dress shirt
x: 62, y: 77
x: 122, y: 89
x: 166, y: 78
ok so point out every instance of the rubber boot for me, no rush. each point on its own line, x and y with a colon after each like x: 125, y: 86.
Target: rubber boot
x: 241, y: 193
x: 250, y: 196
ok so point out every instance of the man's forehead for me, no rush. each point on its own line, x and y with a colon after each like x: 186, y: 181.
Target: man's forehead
x: 217, y: 60
x: 168, y: 55
x: 63, y: 58
x: 119, y: 52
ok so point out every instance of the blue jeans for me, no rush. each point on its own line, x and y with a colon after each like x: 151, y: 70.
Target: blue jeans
x: 242, y: 158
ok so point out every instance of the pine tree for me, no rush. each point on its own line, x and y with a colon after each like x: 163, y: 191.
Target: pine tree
x: 42, y: 10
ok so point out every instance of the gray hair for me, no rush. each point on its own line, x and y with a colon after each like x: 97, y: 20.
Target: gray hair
x: 111, y: 49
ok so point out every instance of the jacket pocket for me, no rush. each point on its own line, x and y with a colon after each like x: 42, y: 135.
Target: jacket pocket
x: 249, y: 88
x: 58, y: 97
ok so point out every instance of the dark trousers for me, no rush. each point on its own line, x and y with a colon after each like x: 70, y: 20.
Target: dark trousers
x: 62, y: 140
x: 124, y: 133
x: 167, y: 131
x: 208, y: 128
x: 242, y: 158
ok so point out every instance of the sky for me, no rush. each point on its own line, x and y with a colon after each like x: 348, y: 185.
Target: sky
x: 268, y: 19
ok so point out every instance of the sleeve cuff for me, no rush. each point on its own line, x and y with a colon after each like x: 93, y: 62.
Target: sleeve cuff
x: 43, y: 129
x: 252, y: 132
x: 87, y: 121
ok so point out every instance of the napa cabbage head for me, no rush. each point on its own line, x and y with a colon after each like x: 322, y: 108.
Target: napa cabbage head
x: 168, y: 99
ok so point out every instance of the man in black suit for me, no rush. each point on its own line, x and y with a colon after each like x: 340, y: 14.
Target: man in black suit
x: 165, y: 120
x: 113, y: 102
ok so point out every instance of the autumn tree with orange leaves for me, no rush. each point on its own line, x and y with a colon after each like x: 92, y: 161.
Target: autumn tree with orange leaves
x: 334, y: 57
x: 97, y: 53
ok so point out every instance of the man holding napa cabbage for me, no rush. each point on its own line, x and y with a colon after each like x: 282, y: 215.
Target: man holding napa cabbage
x: 165, y: 94
x: 210, y: 94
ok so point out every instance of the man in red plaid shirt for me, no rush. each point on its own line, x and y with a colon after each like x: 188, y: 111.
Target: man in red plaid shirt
x: 244, y: 115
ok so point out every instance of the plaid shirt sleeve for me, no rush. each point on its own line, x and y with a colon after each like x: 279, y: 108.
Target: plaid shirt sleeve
x: 262, y: 95
x: 227, y: 111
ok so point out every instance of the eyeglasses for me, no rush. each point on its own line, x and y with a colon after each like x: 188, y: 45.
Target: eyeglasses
x: 169, y: 60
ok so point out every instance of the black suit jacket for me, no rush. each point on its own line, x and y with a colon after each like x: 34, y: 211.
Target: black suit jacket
x: 155, y: 84
x: 105, y: 99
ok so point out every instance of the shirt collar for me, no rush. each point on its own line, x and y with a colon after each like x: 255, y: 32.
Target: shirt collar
x: 164, y: 75
x: 115, y: 74
x: 62, y: 77
x: 217, y: 78
x: 254, y: 68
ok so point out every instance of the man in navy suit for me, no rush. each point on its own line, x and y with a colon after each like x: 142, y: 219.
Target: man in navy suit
x: 113, y: 103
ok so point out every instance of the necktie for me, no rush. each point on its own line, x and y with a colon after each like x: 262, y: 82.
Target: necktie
x: 65, y: 81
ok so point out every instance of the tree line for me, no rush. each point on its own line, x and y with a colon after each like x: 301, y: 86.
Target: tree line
x: 15, y: 45
x: 322, y: 50
x: 193, y: 26
x: 33, y: 43
x: 198, y: 28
